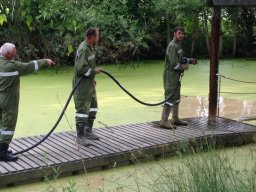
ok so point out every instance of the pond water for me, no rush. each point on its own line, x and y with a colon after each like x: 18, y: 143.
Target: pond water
x: 44, y: 94
x: 228, y: 108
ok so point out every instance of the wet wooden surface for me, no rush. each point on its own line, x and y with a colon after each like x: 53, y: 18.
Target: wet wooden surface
x: 119, y: 145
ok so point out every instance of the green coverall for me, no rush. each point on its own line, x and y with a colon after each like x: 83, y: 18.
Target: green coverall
x: 10, y: 72
x: 85, y: 95
x: 173, y: 72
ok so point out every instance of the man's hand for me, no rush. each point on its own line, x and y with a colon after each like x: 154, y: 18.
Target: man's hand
x: 194, y: 61
x: 50, y: 62
x: 185, y: 66
x: 97, y: 70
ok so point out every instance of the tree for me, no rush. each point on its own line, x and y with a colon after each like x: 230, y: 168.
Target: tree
x: 3, y: 12
x: 180, y: 12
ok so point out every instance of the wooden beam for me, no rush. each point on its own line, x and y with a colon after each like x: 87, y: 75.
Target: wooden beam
x: 214, y: 62
x: 119, y: 146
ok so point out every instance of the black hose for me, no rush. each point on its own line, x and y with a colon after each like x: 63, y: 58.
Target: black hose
x: 132, y: 96
x: 68, y: 101
x: 57, y: 122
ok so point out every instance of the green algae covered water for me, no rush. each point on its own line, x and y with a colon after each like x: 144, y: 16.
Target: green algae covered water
x: 44, y: 94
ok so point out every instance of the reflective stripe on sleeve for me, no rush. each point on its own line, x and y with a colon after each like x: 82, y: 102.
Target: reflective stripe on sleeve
x: 93, y: 109
x: 91, y: 57
x: 81, y: 115
x: 6, y: 132
x: 9, y: 74
x: 36, y: 65
x: 177, y: 66
x: 88, y: 72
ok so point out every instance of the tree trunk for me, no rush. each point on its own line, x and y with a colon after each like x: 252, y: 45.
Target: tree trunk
x: 193, y: 38
x: 168, y: 27
x: 221, y: 42
x: 206, y: 32
x: 235, y: 38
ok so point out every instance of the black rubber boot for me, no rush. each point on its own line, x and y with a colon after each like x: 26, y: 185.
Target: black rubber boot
x: 9, y: 151
x: 164, y: 123
x: 175, y: 116
x: 81, y: 139
x: 89, y: 134
x: 4, y: 155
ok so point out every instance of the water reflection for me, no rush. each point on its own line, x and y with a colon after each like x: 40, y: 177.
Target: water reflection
x: 229, y: 108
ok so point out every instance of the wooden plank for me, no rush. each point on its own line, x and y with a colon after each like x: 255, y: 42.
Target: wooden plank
x: 179, y: 134
x: 167, y: 134
x: 123, y: 144
x: 3, y: 170
x: 67, y: 147
x: 92, y: 149
x: 95, y: 147
x: 114, y: 146
x: 39, y: 153
x: 59, y: 145
x: 33, y: 160
x: 81, y: 151
x: 56, y: 149
x: 146, y: 130
x: 127, y: 130
x: 118, y: 145
x: 111, y: 142
x: 49, y: 153
x: 9, y: 166
x: 127, y: 140
x: 163, y: 135
x: 19, y: 165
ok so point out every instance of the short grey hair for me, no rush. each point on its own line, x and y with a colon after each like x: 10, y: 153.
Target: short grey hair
x: 5, y: 48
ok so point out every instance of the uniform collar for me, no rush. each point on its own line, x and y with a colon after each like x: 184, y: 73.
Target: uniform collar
x: 176, y: 40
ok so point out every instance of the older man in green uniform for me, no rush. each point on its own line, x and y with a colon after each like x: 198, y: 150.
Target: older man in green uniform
x: 173, y: 72
x: 85, y: 95
x: 10, y: 72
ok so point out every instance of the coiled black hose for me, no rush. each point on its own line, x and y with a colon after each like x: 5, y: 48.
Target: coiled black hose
x: 57, y: 122
x: 68, y: 101
x: 136, y: 99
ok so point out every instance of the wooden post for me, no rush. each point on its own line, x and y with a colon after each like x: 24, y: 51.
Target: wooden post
x: 214, y: 62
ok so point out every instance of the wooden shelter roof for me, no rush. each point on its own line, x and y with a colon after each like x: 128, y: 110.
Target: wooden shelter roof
x: 226, y: 3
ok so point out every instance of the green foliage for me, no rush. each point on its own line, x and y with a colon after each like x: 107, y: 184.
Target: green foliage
x: 129, y: 29
x: 122, y: 37
x: 212, y: 171
x: 2, y: 19
x: 3, y: 12
x: 71, y: 187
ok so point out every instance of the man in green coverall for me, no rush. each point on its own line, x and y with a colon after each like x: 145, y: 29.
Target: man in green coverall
x: 173, y: 72
x: 10, y: 72
x: 85, y: 95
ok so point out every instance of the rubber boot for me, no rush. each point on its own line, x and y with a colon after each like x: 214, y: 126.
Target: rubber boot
x: 89, y: 134
x: 81, y: 139
x: 164, y: 123
x: 4, y: 155
x: 175, y: 116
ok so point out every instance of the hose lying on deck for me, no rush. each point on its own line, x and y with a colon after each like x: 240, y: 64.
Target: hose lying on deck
x: 68, y: 101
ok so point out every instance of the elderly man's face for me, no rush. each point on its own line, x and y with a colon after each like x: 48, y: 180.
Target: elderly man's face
x: 11, y: 54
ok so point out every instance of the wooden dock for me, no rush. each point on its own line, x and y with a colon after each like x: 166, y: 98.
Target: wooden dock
x: 119, y: 145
